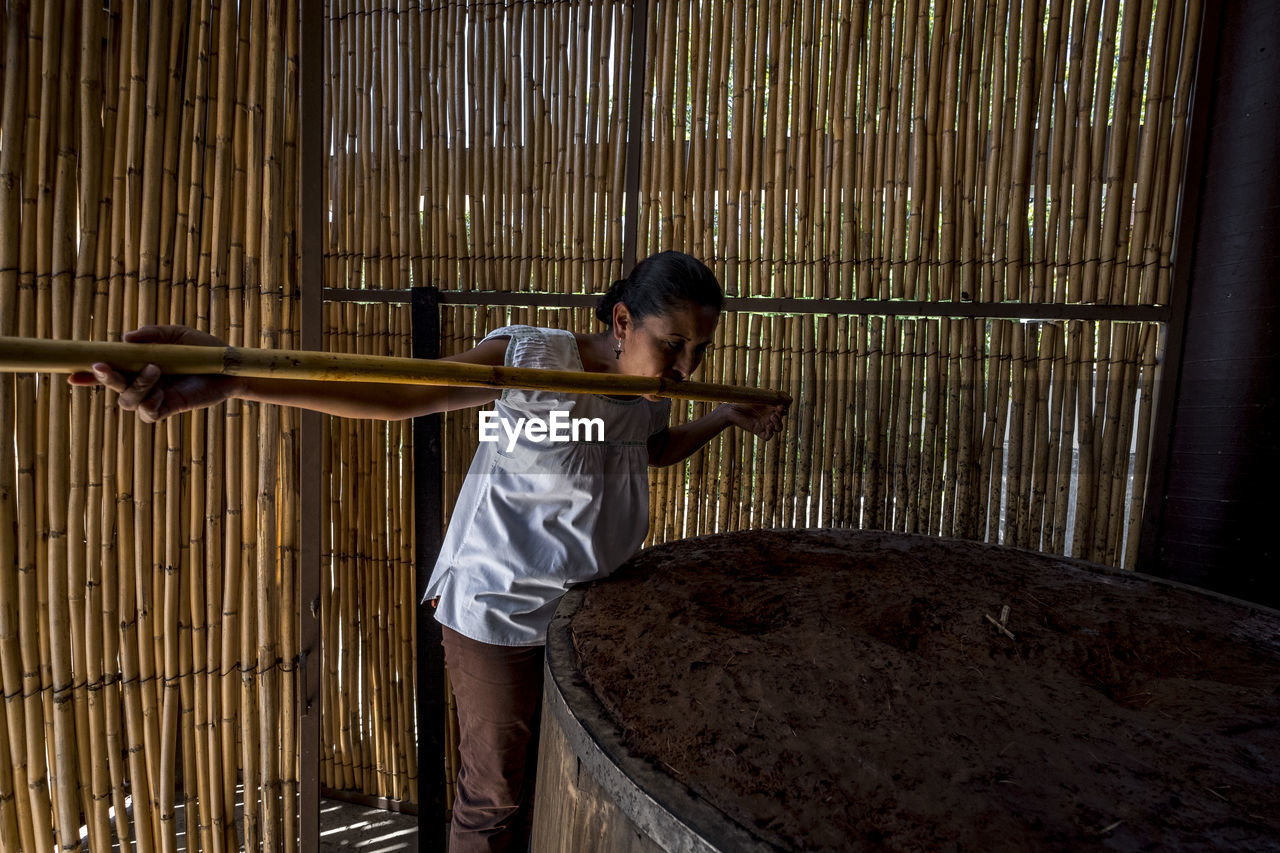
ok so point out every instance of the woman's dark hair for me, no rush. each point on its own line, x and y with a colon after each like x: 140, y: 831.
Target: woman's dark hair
x: 659, y: 284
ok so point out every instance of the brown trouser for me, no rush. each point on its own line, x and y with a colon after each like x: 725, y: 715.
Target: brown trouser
x: 498, y: 690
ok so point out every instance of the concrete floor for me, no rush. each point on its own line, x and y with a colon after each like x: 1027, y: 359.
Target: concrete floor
x: 343, y: 827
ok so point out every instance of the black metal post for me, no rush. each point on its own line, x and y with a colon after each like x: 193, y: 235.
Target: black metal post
x: 428, y: 509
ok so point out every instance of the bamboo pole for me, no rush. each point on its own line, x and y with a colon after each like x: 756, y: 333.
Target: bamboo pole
x: 24, y: 355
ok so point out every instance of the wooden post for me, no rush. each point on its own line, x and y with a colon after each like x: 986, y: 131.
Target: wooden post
x: 635, y: 131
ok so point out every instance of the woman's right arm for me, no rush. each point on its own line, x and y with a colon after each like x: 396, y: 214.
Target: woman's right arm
x: 155, y: 396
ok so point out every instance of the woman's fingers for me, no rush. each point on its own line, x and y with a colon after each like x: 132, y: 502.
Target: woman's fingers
x: 150, y: 393
x: 763, y: 420
x: 136, y: 393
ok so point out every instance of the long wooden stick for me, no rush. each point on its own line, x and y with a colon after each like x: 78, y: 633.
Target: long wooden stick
x: 34, y: 355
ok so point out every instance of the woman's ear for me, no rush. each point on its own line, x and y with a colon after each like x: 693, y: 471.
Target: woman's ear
x: 621, y: 321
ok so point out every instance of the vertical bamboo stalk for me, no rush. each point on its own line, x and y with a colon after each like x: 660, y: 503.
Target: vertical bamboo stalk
x: 1067, y: 455
x: 770, y: 483
x: 758, y: 269
x: 1110, y: 439
x: 1055, y: 477
x: 1086, y: 473
x: 874, y: 429
x: 809, y: 390
x: 887, y: 390
x: 965, y: 465
x: 1020, y: 382
x: 82, y: 531
x: 1092, y: 236
x: 159, y: 514
x: 727, y: 492
x: 760, y: 365
x: 1042, y: 435
x: 21, y: 708
x: 66, y: 758
x: 1146, y: 382
x: 207, y: 441
x: 916, y: 486
x: 1154, y: 136
x: 1125, y: 439
x: 829, y: 364
x: 930, y: 506
x: 1115, y: 209
x: 1031, y: 417
x: 953, y: 336
x: 1030, y: 58
x: 1086, y: 148
x: 8, y: 808
x: 993, y: 92
x: 992, y: 433
x: 903, y: 500
x: 1181, y: 107
x: 1046, y: 166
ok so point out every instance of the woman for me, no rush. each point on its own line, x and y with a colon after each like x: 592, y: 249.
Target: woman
x: 533, y: 516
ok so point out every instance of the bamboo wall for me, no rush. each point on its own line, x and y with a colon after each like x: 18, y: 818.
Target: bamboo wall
x: 367, y: 597
x: 147, y: 573
x: 946, y: 152
x: 930, y: 151
x: 922, y: 149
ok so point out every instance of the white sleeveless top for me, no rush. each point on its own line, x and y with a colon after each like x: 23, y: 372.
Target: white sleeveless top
x: 536, y: 517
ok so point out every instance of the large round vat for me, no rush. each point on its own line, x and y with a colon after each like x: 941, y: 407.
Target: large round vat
x: 849, y: 690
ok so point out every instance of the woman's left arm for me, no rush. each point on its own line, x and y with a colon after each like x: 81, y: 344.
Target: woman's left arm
x: 674, y: 444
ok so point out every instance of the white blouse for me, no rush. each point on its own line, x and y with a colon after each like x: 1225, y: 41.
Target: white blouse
x: 535, y: 516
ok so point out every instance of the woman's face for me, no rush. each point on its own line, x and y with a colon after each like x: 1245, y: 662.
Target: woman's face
x: 668, y: 345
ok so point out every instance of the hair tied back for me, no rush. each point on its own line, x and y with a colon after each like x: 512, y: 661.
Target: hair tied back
x: 604, y: 307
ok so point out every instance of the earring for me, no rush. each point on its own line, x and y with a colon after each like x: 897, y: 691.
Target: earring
x: 617, y: 351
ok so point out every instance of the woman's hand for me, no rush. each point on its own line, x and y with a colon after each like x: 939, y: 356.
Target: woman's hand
x: 764, y: 420
x: 153, y: 395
